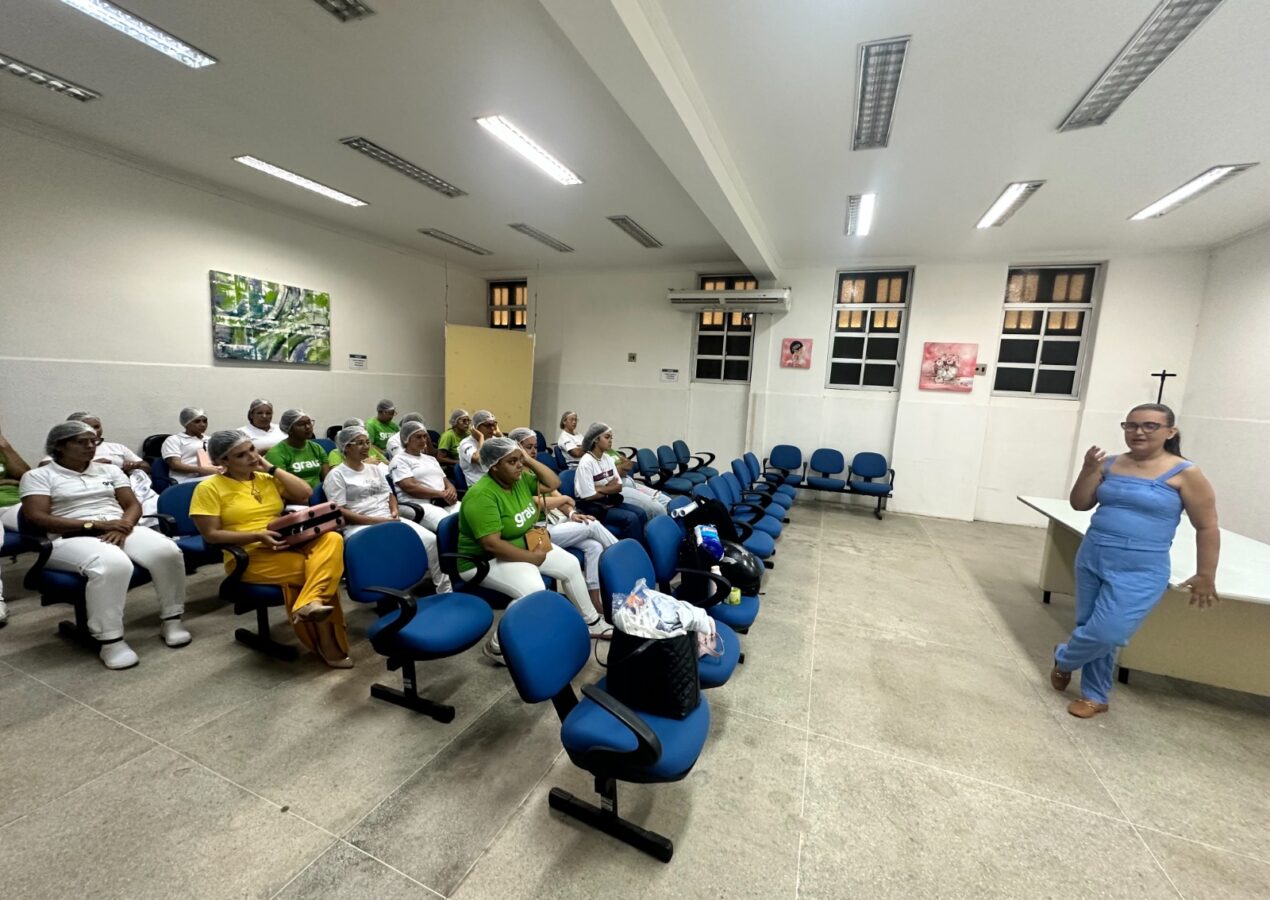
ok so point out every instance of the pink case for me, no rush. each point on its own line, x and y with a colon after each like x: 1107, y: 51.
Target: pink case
x: 304, y: 525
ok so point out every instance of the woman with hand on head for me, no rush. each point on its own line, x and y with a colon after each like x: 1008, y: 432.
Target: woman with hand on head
x: 89, y: 511
x: 299, y: 454
x: 419, y: 478
x: 1122, y: 568
x: 181, y: 451
x: 12, y: 467
x: 237, y: 507
x: 484, y: 427
x: 448, y: 445
x: 362, y: 493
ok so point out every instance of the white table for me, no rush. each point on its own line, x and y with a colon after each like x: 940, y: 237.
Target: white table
x: 1227, y: 645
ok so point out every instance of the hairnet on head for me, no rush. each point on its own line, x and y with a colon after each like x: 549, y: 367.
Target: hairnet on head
x: 81, y: 416
x: 409, y: 429
x: 258, y: 402
x: 592, y: 434
x: 519, y: 434
x: 493, y: 450
x: 290, y: 417
x: 63, y: 431
x: 220, y: 443
x: 349, y: 423
x: 347, y: 434
x: 410, y: 417
x: 189, y: 414
x: 564, y: 415
x: 385, y: 405
x: 481, y: 416
x: 456, y: 415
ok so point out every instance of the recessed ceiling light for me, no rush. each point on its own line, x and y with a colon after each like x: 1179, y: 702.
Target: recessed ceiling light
x: 1014, y: 196
x: 404, y: 166
x: 636, y: 231
x: 300, y: 181
x: 1169, y: 24
x: 513, y: 137
x: 140, y: 30
x: 346, y: 10
x: 876, y: 85
x: 440, y: 235
x: 541, y: 237
x: 1197, y: 185
x: 860, y: 213
x: 44, y: 79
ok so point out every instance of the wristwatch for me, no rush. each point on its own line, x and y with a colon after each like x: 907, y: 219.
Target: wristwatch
x: 271, y: 470
x: 90, y: 525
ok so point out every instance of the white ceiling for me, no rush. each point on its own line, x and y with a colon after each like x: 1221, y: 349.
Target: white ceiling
x: 984, y: 88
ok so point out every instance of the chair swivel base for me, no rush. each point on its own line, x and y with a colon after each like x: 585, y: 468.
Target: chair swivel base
x: 656, y: 846
x: 413, y: 701
x: 74, y: 631
x: 266, y: 644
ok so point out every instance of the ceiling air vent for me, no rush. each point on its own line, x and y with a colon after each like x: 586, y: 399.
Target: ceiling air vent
x: 541, y: 237
x: 438, y: 234
x: 346, y: 10
x: 404, y: 166
x: 636, y: 231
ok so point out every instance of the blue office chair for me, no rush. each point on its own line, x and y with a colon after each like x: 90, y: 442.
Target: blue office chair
x: 865, y: 467
x: 386, y: 565
x: 160, y: 475
x: 258, y: 598
x: 690, y: 462
x: 747, y: 511
x: 448, y: 549
x: 562, y: 461
x: 325, y: 443
x: 665, y: 536
x: 757, y: 477
x: 318, y: 495
x: 545, y: 644
x: 459, y: 480
x: 548, y: 460
x: 152, y: 446
x: 659, y: 473
x: 622, y: 521
x: 175, y: 522
x: 760, y: 543
x: 743, y: 478
x: 540, y: 439
x: 434, y: 436
x: 828, y: 463
x: 771, y: 508
x: 785, y: 466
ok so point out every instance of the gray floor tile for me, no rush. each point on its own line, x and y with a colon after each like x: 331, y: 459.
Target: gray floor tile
x: 876, y: 827
x: 349, y: 874
x: 1203, y: 873
x: 51, y: 745
x: 773, y: 681
x: 159, y: 826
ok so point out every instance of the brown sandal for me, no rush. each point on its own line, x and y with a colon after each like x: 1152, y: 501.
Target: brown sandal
x: 1059, y: 680
x: 1084, y: 708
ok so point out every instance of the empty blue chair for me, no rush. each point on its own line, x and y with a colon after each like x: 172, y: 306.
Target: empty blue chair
x: 749, y: 512
x: 174, y: 507
x: 160, y: 474
x: 785, y: 466
x: 757, y: 477
x: 626, y: 562
x: 765, y: 502
x: 386, y: 566
x: 759, y: 543
x: 325, y: 443
x: 546, y: 644
x: 825, y: 464
x: 541, y: 441
x: 693, y: 463
x: 657, y: 470
x: 864, y: 469
x: 762, y: 488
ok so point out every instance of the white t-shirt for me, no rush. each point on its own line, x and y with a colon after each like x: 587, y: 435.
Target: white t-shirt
x: 184, y: 447
x: 593, y: 473
x: 117, y: 453
x: 365, y: 492
x: 262, y: 439
x: 77, y: 495
x: 422, y: 468
x: 394, y: 445
x: 473, y: 472
x: 567, y: 442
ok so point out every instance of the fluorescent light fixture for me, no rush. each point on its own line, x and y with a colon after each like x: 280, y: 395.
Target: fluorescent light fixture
x: 1164, y: 30
x: 860, y: 209
x: 404, y: 166
x: 140, y: 30
x: 1014, y: 196
x: 513, y: 137
x: 876, y: 85
x: 1196, y: 186
x: 541, y: 237
x: 438, y: 234
x: 636, y: 231
x: 300, y: 181
x: 346, y: 10
x: 45, y: 79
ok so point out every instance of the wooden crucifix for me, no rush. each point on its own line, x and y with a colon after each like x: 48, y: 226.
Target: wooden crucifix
x: 1162, y: 375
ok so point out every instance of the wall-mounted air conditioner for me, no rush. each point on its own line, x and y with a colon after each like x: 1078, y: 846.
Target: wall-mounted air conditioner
x: 772, y: 300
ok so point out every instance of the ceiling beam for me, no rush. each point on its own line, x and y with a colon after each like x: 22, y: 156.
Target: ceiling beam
x: 631, y: 48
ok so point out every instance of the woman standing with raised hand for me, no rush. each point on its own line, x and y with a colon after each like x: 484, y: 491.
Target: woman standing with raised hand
x: 1122, y: 569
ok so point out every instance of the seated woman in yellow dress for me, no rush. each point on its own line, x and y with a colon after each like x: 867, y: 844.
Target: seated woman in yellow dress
x: 237, y: 507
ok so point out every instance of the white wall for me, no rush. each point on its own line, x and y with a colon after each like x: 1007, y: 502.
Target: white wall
x: 106, y: 304
x: 1226, y: 428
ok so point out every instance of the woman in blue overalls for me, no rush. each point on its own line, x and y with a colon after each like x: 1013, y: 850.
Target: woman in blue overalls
x: 1122, y: 569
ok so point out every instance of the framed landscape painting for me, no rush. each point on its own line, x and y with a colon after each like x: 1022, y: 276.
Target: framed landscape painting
x: 263, y: 321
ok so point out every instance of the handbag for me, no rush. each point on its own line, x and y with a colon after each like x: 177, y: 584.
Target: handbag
x: 537, y: 538
x: 303, y: 525
x: 655, y: 676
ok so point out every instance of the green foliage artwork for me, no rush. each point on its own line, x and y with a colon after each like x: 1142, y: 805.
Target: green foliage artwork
x: 263, y: 321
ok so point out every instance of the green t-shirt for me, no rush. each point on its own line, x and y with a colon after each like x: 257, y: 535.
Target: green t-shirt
x: 380, y: 431
x: 488, y: 508
x: 8, y: 492
x: 450, y: 441
x: 334, y: 458
x: 306, y: 462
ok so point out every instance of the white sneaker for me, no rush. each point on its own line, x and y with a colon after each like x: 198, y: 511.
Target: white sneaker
x: 118, y: 655
x: 493, y: 652
x: 174, y: 634
x: 443, y: 586
x: 600, y: 629
x: 4, y: 614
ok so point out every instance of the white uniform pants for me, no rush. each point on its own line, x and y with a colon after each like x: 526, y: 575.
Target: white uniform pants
x: 651, y: 505
x: 109, y: 569
x: 589, y: 537
x: 516, y: 579
x: 432, y: 514
x: 429, y: 541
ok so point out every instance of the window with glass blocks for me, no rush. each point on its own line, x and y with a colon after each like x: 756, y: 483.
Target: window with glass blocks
x: 1045, y: 325
x: 508, y: 304
x: 724, y: 339
x: 870, y: 314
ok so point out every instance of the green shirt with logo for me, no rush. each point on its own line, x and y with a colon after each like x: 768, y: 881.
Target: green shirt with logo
x: 305, y: 462
x: 489, y: 508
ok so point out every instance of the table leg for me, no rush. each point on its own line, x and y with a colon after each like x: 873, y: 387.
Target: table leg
x: 1059, y: 561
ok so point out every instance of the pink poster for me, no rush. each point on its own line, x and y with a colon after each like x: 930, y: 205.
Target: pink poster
x: 796, y: 353
x: 948, y: 367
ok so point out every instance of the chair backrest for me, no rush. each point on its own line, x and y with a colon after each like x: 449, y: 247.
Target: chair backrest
x: 567, y: 477
x: 458, y: 479
x: 663, y: 536
x: 828, y: 462
x: 318, y: 495
x: 869, y: 465
x: 448, y: 542
x: 160, y: 474
x: 705, y: 490
x: 682, y: 453
x: 666, y: 459
x: 561, y: 460
x: 786, y: 456
x: 647, y: 464
x: 675, y: 503
x: 722, y: 490
x: 152, y: 446
x: 621, y: 566
x: 545, y: 644
x: 332, y: 431
x: 385, y: 555
x: 175, y: 502
x: 548, y: 460
x: 742, y: 472
x: 434, y: 436
x: 733, y: 485
x: 325, y: 443
x: 541, y: 439
x: 755, y: 467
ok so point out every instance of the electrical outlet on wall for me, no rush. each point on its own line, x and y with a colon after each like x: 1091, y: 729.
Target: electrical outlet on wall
x: 630, y: 357
x: 981, y: 369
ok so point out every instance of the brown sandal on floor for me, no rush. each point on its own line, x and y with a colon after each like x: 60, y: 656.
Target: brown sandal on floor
x: 1059, y: 680
x: 1084, y: 708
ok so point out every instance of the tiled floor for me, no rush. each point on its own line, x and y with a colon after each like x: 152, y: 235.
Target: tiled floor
x: 891, y: 734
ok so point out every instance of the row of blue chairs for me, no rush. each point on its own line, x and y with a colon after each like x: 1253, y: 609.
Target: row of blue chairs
x: 868, y: 474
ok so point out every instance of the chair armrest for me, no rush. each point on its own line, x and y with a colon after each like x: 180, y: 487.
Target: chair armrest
x: 648, y: 750
x: 416, y: 511
x: 404, y: 602
x: 45, y: 548
x: 482, y: 566
x: 631, y: 455
x: 167, y: 524
x: 761, y: 499
x: 706, y: 458
x: 744, y: 531
x: 724, y: 586
x: 892, y: 471
x: 756, y: 511
x: 237, y: 570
